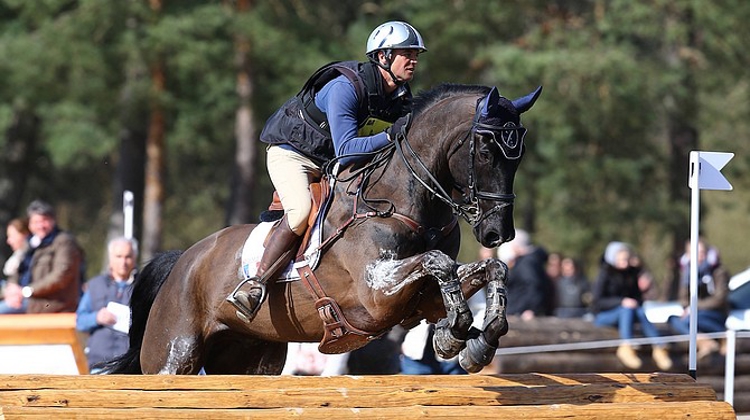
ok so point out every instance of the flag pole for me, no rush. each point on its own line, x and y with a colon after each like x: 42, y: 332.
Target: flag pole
x: 694, y: 233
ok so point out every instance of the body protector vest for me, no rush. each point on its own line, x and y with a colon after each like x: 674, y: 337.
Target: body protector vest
x: 302, y: 125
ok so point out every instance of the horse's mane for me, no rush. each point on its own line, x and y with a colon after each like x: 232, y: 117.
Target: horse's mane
x: 426, y: 99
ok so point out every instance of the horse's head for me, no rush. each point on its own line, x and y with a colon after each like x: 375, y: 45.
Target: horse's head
x: 485, y: 181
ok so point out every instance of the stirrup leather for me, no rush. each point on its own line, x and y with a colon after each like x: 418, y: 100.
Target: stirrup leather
x: 243, y: 311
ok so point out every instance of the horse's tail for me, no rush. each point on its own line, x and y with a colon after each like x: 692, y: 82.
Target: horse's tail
x: 146, y: 287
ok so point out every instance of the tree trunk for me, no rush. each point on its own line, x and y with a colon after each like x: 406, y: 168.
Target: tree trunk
x: 131, y: 165
x: 240, y: 205
x: 16, y: 162
x: 155, y: 161
x: 682, y: 117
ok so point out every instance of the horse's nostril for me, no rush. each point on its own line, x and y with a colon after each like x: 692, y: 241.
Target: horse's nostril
x: 491, y: 239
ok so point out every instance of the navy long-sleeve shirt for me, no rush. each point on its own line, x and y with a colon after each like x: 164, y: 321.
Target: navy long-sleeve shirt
x: 338, y: 100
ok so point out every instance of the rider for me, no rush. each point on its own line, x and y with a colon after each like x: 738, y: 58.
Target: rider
x: 344, y: 108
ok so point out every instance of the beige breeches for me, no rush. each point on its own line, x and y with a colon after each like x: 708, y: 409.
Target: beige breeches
x: 291, y: 173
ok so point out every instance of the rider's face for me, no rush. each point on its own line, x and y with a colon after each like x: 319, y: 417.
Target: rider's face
x: 404, y: 64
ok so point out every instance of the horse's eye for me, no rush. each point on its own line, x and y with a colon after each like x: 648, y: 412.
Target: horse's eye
x: 484, y: 150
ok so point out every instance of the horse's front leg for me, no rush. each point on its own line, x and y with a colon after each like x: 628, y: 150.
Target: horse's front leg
x: 407, y: 276
x: 481, y: 346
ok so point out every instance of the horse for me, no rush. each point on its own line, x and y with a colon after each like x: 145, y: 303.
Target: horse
x: 390, y: 258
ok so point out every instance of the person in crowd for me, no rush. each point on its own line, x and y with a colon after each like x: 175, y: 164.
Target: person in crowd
x: 304, y: 359
x: 554, y: 266
x: 572, y: 290
x: 530, y: 291
x: 345, y: 110
x: 713, y: 304
x: 103, y: 306
x: 617, y: 302
x: 646, y: 282
x: 51, y: 269
x: 17, y: 234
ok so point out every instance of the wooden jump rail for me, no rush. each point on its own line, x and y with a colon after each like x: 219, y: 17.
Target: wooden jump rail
x: 537, y: 396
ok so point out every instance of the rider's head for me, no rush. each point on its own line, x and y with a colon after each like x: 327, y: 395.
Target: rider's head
x: 395, y: 46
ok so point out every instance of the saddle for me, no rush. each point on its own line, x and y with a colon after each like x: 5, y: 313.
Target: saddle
x: 339, y: 335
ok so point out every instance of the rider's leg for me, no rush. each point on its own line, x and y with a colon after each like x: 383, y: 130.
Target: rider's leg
x: 291, y: 174
x: 282, y: 247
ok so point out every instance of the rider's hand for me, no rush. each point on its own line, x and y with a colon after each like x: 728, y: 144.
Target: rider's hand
x: 400, y: 127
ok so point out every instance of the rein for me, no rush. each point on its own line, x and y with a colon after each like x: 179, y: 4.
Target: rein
x: 511, y: 140
x: 470, y: 210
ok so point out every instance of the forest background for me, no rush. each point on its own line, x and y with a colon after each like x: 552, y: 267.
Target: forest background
x: 167, y: 98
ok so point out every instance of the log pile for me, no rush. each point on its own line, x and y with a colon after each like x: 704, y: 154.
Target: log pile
x: 544, y: 331
x: 537, y: 396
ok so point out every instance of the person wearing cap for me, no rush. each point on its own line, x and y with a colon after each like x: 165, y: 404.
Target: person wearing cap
x: 343, y: 112
x: 52, y: 266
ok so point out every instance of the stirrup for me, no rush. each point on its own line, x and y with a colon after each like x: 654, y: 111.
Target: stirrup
x: 244, y: 312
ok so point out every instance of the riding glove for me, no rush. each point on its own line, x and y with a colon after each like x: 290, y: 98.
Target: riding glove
x: 399, y: 128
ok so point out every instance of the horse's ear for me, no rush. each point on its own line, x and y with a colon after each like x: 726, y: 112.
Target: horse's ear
x: 525, y: 103
x: 491, y: 102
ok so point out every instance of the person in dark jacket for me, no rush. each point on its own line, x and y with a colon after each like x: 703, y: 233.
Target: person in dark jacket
x: 617, y: 302
x: 529, y: 287
x: 572, y: 290
x: 345, y: 110
x: 103, y: 312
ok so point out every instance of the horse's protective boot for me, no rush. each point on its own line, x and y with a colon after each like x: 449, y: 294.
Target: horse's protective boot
x: 281, y: 247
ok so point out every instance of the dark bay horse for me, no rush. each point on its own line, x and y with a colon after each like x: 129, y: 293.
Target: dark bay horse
x: 391, y: 259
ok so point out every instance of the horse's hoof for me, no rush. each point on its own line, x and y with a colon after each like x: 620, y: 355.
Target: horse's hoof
x: 476, y: 355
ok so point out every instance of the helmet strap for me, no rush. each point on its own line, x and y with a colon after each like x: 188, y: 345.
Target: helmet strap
x: 387, y: 67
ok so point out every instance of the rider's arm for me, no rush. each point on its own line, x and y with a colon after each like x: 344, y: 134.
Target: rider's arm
x: 338, y: 100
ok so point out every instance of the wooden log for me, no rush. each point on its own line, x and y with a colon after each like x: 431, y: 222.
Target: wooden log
x: 660, y: 410
x: 551, y: 330
x: 382, y: 396
x: 245, y: 382
x: 244, y: 391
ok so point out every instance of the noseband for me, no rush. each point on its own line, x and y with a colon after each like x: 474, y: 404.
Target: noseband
x: 511, y: 144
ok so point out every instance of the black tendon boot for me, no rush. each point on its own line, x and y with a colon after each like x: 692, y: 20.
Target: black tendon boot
x: 249, y: 295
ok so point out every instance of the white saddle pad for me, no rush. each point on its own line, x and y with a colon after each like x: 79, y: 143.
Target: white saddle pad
x: 253, y: 249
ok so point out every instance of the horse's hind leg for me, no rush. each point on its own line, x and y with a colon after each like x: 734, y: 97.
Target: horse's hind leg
x: 180, y: 355
x: 481, y: 347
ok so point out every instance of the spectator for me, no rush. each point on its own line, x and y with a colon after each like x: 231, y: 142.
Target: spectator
x: 529, y: 288
x: 617, y: 302
x: 713, y: 305
x: 304, y: 359
x: 54, y: 260
x: 97, y: 315
x: 572, y: 290
x: 554, y: 266
x: 645, y: 278
x: 18, y: 239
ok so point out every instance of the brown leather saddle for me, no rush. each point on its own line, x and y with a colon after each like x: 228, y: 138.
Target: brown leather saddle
x: 339, y: 335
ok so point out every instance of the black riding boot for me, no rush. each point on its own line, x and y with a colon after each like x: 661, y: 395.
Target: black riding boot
x: 249, y: 295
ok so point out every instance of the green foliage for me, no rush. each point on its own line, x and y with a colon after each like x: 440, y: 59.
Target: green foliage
x: 613, y: 72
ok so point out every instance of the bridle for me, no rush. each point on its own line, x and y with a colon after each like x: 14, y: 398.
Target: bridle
x: 511, y: 144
